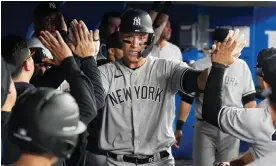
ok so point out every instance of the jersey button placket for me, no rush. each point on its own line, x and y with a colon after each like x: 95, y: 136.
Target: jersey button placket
x: 134, y: 113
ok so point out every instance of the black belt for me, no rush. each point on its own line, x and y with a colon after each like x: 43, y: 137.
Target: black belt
x: 136, y: 160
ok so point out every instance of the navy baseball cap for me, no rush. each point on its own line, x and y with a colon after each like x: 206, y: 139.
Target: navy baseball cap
x: 264, y: 54
x: 45, y: 8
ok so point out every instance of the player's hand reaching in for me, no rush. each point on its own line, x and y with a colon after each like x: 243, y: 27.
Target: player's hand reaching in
x: 178, y: 135
x: 84, y: 42
x: 57, y: 46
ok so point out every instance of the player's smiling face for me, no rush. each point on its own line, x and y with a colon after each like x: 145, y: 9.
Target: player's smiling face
x: 132, y: 45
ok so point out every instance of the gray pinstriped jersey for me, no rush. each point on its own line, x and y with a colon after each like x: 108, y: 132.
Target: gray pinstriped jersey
x: 237, y: 82
x: 140, y: 108
x: 252, y: 125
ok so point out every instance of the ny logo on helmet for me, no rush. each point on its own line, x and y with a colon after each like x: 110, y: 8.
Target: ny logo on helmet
x: 52, y: 5
x: 136, y: 21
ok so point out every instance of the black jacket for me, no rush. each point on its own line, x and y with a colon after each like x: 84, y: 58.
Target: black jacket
x: 11, y: 151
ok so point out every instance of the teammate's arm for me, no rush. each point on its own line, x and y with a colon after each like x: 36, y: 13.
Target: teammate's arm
x: 185, y: 105
x: 90, y: 69
x: 184, y: 110
x: 237, y: 122
x: 81, y: 88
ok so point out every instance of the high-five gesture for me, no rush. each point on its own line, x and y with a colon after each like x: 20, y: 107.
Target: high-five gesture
x: 57, y: 46
x: 83, y: 41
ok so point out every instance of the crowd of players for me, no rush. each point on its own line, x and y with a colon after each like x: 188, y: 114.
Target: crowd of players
x: 73, y: 96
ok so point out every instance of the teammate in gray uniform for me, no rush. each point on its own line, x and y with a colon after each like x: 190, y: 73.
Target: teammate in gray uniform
x: 140, y: 89
x: 211, y: 145
x: 254, y: 125
x: 248, y: 156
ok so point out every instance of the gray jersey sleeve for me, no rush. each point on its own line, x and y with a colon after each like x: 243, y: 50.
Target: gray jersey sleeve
x: 245, y: 124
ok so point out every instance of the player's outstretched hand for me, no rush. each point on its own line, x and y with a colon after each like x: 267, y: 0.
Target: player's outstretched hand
x: 178, y: 136
x: 84, y: 42
x: 223, y: 164
x: 57, y: 46
x: 223, y: 51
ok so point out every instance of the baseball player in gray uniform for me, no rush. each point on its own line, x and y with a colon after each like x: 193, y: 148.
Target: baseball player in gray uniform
x: 250, y: 156
x: 210, y: 145
x: 253, y: 125
x: 140, y: 90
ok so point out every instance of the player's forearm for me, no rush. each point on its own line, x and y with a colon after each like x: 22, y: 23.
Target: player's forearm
x: 81, y: 88
x: 212, y: 101
x: 184, y: 110
x: 90, y: 69
x: 244, y: 159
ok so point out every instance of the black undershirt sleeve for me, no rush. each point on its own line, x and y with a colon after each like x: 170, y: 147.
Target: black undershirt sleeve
x: 212, y: 100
